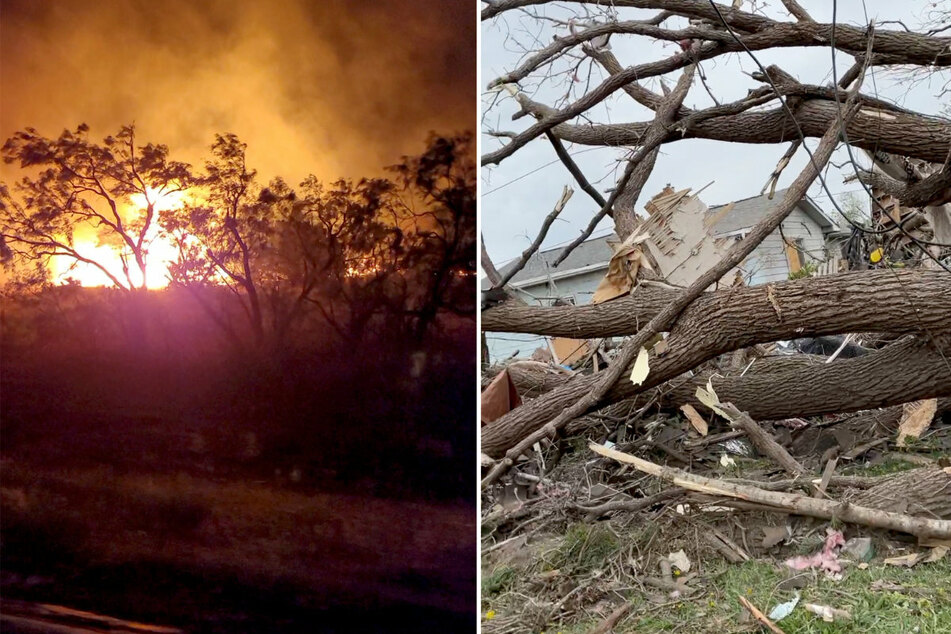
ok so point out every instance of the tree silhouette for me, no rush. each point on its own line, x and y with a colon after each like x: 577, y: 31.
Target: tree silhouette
x: 371, y: 258
x: 113, y: 189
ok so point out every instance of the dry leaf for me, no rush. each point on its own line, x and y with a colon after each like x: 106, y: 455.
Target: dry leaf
x: 727, y: 461
x: 938, y: 552
x: 641, y: 368
x: 915, y: 419
x: 695, y: 418
x: 709, y: 398
x: 680, y: 560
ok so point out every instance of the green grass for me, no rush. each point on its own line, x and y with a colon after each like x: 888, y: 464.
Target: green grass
x: 584, y: 548
x: 924, y: 601
x: 498, y: 581
x: 885, y: 467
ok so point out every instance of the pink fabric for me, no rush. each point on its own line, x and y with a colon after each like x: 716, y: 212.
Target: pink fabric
x: 826, y: 559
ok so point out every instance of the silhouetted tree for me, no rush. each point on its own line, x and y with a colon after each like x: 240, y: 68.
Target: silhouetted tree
x: 112, y: 188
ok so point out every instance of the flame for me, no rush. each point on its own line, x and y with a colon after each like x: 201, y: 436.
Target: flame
x: 160, y: 251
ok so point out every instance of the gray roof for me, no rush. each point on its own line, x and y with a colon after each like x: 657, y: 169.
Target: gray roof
x: 745, y: 213
x: 749, y: 211
x: 590, y: 252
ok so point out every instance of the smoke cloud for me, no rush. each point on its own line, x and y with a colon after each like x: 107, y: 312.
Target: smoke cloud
x: 332, y: 87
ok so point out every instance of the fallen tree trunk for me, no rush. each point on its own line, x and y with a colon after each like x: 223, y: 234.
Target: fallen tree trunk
x: 905, y: 371
x: 918, y: 491
x: 789, y: 502
x: 808, y: 307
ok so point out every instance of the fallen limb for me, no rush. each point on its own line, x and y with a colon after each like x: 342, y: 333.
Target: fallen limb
x: 781, y: 387
x: 630, y: 506
x: 762, y: 441
x: 811, y: 307
x: 795, y: 503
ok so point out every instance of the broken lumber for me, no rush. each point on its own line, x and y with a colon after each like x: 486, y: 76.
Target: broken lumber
x: 789, y: 502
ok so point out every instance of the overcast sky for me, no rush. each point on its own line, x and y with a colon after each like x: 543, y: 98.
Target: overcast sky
x: 518, y: 193
x: 334, y: 88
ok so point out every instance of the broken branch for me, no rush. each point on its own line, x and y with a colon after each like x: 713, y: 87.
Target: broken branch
x: 800, y: 504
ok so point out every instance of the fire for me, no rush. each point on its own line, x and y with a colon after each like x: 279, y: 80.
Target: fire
x: 160, y: 252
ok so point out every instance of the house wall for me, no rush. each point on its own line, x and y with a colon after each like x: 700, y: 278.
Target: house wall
x: 768, y: 263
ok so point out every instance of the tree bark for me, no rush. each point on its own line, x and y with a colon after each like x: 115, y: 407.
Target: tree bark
x: 905, y: 371
x: 817, y: 305
x: 918, y: 491
x: 914, y: 135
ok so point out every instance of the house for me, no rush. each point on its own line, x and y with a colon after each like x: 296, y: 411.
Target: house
x: 685, y: 238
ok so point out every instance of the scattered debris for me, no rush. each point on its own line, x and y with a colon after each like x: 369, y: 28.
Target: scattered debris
x: 859, y: 548
x: 680, y: 560
x: 826, y: 559
x: 759, y: 616
x: 828, y: 613
x: 783, y: 610
x: 696, y: 420
x: 641, y: 367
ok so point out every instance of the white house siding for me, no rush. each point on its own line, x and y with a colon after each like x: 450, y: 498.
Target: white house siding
x: 768, y: 263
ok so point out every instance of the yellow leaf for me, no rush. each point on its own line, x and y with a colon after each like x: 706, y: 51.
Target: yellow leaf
x: 875, y: 256
x: 641, y: 368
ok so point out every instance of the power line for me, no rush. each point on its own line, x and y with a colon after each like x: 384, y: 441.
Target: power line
x: 537, y: 169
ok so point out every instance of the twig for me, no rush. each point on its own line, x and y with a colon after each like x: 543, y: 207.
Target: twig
x: 527, y: 253
x: 759, y: 616
x: 574, y: 170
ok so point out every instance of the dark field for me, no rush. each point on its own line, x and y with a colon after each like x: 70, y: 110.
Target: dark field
x: 305, y: 490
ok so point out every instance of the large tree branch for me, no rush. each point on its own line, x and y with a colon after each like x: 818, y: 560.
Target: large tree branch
x: 913, y: 135
x: 932, y: 191
x: 669, y: 315
x: 906, y: 371
x: 809, y: 307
